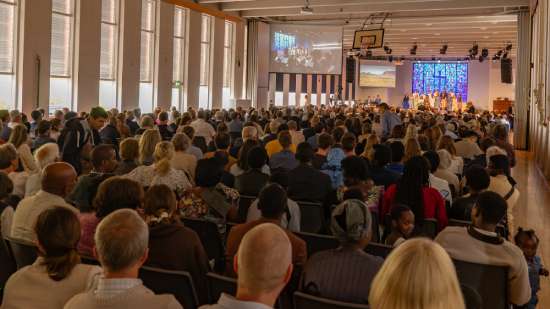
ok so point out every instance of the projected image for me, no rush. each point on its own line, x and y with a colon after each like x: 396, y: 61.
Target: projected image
x: 381, y: 76
x: 306, y: 49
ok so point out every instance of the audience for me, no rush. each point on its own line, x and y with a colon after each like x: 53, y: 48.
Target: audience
x: 42, y: 133
x: 381, y: 175
x: 345, y: 273
x: 44, y: 155
x: 479, y: 243
x: 402, y: 225
x: 477, y: 181
x: 417, y: 274
x: 260, y: 283
x: 58, y: 180
x: 182, y: 160
x: 397, y: 154
x: 57, y: 274
x: 254, y: 179
x: 284, y: 159
x: 323, y: 146
x: 441, y: 185
x: 147, y: 143
x: 129, y: 155
x: 272, y: 203
x: 203, y: 128
x: 20, y: 140
x: 171, y: 245
x: 121, y: 248
x: 467, y: 147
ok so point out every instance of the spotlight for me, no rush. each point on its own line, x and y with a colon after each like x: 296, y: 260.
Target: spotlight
x: 413, y: 49
x: 443, y: 49
x: 485, y: 53
x: 475, y: 49
x: 509, y: 47
x: 388, y: 50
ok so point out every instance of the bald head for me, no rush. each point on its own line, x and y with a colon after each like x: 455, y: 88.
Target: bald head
x: 264, y: 259
x: 58, y: 178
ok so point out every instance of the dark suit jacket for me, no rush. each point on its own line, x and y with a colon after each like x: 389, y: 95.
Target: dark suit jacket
x: 251, y: 182
x: 305, y: 183
x: 236, y: 234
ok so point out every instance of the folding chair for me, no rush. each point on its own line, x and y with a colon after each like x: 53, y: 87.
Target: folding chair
x: 312, y: 216
x: 318, y: 242
x: 377, y: 249
x: 210, y: 238
x: 429, y: 228
x: 489, y: 281
x: 305, y: 301
x: 218, y: 284
x: 244, y: 203
x: 177, y: 283
x: 23, y: 253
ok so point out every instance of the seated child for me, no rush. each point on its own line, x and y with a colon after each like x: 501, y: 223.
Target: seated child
x: 402, y: 225
x: 528, y: 242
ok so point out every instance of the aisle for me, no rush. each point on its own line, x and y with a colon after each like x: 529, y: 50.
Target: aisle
x: 533, y: 211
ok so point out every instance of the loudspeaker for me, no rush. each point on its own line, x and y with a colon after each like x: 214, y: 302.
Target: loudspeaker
x: 506, y: 71
x: 350, y: 70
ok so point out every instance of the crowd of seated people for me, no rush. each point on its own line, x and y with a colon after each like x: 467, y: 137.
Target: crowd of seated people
x: 117, y: 188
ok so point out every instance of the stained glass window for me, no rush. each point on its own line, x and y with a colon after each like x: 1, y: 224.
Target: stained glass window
x: 445, y: 76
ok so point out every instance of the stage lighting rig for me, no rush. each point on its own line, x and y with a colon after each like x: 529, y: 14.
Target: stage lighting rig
x: 485, y: 53
x: 388, y: 50
x: 509, y: 47
x: 475, y: 49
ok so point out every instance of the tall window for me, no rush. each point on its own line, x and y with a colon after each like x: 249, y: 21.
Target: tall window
x: 147, y: 58
x: 228, y: 63
x: 109, y: 53
x: 206, y: 35
x: 8, y: 43
x: 62, y: 50
x: 178, y: 75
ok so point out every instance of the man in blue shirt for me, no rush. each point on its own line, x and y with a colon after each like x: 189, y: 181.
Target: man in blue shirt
x: 388, y: 119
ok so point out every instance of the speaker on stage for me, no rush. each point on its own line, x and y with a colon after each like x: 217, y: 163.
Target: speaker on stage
x: 350, y: 70
x: 506, y: 71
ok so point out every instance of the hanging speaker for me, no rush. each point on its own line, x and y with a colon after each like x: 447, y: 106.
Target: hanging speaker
x: 350, y: 70
x: 506, y: 71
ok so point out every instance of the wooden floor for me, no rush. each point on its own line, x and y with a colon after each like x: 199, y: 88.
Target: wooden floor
x: 533, y: 211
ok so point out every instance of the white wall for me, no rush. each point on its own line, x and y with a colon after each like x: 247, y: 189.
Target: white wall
x: 484, y: 85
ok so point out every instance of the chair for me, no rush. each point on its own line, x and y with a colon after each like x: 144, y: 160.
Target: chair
x: 489, y: 281
x: 177, y: 283
x: 375, y: 227
x: 377, y: 249
x: 472, y: 300
x: 454, y: 222
x: 7, y: 263
x: 429, y: 228
x: 23, y: 253
x: 313, y: 216
x: 218, y: 284
x: 244, y: 203
x: 318, y: 242
x: 210, y: 238
x: 89, y: 260
x: 305, y: 301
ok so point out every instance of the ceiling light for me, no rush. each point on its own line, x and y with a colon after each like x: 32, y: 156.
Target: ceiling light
x: 429, y: 25
x: 486, y: 37
x: 306, y: 10
x: 483, y: 28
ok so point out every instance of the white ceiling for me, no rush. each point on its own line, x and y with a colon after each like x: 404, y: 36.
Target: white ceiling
x: 429, y: 23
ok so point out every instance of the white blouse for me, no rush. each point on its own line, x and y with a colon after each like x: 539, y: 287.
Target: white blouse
x: 146, y: 176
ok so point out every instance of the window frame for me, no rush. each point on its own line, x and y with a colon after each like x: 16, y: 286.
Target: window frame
x: 181, y: 71
x: 14, y: 73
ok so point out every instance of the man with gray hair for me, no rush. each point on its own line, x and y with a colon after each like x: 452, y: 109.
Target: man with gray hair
x: 264, y: 266
x: 345, y: 273
x: 121, y: 246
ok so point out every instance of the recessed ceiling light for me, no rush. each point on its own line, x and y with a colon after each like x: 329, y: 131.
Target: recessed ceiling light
x: 437, y: 33
x: 494, y: 23
x: 415, y: 38
x: 486, y: 37
x: 403, y: 30
x: 496, y: 32
x: 429, y: 25
x: 483, y: 28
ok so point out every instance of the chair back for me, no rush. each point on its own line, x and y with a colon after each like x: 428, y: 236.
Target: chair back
x: 244, y: 203
x: 89, y: 260
x: 218, y: 284
x: 312, y: 216
x: 429, y: 228
x: 7, y: 263
x: 489, y: 281
x: 377, y: 249
x: 375, y: 227
x: 210, y: 237
x: 23, y: 253
x: 454, y: 222
x: 177, y: 283
x: 318, y: 242
x: 305, y: 301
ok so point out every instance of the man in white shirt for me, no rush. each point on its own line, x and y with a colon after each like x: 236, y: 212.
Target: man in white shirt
x: 479, y: 243
x: 203, y: 128
x: 58, y: 180
x: 437, y: 183
x: 264, y: 267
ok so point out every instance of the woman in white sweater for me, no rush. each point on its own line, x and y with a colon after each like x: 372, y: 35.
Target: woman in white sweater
x: 56, y: 275
x: 20, y: 139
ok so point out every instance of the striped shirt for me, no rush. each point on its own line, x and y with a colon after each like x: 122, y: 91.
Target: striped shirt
x: 109, y: 288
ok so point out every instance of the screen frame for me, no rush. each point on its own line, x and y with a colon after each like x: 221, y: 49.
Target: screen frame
x: 378, y: 63
x: 342, y: 63
x: 378, y: 34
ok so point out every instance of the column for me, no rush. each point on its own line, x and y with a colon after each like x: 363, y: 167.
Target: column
x: 217, y: 63
x: 327, y: 89
x: 286, y: 86
x: 163, y: 63
x: 193, y: 59
x: 87, y: 55
x: 129, y: 54
x: 309, y: 89
x: 319, y: 89
x: 238, y: 66
x: 298, y: 89
x: 272, y: 88
x: 33, y: 75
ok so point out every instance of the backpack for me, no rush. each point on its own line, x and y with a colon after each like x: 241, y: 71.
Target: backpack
x: 333, y: 167
x: 71, y: 126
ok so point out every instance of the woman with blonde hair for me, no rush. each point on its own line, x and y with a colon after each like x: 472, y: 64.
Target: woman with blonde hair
x: 368, y: 153
x: 147, y: 144
x: 457, y: 163
x: 418, y: 274
x: 411, y: 132
x: 412, y: 149
x: 434, y: 135
x: 161, y: 172
x: 20, y: 140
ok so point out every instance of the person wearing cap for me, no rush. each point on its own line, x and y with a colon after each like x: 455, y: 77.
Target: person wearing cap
x: 272, y: 203
x: 388, y: 119
x: 345, y: 273
x: 468, y: 147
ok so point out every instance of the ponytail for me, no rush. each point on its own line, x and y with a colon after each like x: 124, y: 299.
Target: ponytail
x: 162, y: 167
x: 164, y: 151
x: 59, y: 267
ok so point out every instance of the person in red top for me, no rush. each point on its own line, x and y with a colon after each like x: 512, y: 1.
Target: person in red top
x: 413, y: 190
